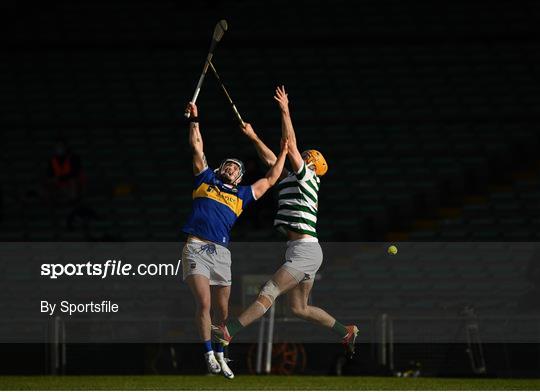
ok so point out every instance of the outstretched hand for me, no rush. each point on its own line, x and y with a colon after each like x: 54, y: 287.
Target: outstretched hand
x: 282, y: 98
x: 248, y: 130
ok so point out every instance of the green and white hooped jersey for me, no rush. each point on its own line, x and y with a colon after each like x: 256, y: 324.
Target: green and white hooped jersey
x: 298, y: 197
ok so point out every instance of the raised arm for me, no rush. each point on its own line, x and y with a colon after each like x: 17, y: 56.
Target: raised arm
x: 195, y: 140
x: 287, y: 130
x: 261, y: 186
x: 267, y: 156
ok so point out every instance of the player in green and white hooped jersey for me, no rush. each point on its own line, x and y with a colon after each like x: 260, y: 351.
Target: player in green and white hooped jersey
x: 297, y: 219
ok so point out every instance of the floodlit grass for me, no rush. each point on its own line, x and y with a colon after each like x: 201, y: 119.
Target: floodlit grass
x: 258, y: 383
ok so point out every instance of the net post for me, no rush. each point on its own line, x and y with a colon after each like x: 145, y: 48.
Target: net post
x: 270, y: 340
x: 260, y: 343
x: 391, y: 344
x: 383, y: 348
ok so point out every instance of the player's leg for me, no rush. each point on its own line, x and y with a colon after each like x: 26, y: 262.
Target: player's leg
x: 200, y: 287
x: 281, y: 282
x: 298, y: 302
x: 304, y: 258
x: 199, y: 259
x: 220, y: 304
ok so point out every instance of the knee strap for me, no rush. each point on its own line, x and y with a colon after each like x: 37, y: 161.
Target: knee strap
x: 270, y: 290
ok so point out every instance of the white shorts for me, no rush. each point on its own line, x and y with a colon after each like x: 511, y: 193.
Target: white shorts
x: 303, y: 258
x: 207, y: 259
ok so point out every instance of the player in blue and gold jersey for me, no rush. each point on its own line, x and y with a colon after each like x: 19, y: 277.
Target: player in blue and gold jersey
x: 218, y: 201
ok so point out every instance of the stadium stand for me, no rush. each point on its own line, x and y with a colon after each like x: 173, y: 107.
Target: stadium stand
x: 424, y: 126
x: 417, y: 117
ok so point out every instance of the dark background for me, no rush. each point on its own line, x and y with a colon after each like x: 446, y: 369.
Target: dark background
x: 427, y: 113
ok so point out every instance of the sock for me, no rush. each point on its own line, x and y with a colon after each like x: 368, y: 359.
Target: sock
x: 208, y: 346
x: 218, y: 348
x: 233, y: 326
x: 340, y: 329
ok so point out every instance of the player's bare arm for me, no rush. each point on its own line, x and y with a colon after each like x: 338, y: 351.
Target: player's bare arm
x: 287, y: 130
x: 260, y: 187
x: 267, y: 156
x: 195, y: 140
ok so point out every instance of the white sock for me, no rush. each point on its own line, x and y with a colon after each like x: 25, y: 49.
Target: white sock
x: 219, y: 356
x: 209, y: 353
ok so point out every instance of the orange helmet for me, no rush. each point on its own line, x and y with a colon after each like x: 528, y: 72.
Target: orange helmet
x: 315, y: 158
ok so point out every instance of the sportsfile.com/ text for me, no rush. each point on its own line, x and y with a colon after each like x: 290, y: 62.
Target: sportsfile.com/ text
x: 110, y: 268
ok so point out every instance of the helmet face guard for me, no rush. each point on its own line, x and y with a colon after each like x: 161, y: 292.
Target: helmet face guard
x: 241, y: 168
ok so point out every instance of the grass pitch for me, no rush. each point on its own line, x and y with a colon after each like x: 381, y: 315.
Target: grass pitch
x: 258, y: 383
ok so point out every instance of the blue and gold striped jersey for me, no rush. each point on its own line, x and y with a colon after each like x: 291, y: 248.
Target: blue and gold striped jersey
x: 216, y: 207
